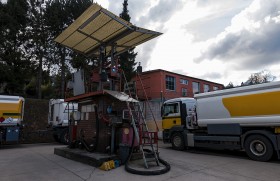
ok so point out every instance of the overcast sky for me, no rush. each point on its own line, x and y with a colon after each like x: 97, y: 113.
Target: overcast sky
x: 216, y: 40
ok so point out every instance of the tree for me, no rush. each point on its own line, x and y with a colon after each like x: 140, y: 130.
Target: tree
x: 38, y: 38
x: 127, y: 59
x: 15, y: 66
x: 260, y: 77
x: 61, y: 13
x: 229, y: 86
x: 28, y: 53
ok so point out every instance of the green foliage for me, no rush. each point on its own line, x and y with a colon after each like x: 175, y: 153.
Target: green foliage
x: 48, y: 91
x: 14, y: 61
x: 230, y: 85
x: 127, y: 62
x: 60, y: 14
x: 124, y: 14
x: 30, y: 89
x: 28, y: 53
x: 127, y: 59
x: 31, y: 63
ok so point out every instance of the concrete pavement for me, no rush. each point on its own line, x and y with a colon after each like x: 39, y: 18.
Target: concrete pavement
x: 38, y: 162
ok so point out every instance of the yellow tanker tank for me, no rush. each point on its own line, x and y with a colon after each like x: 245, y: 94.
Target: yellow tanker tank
x: 256, y: 105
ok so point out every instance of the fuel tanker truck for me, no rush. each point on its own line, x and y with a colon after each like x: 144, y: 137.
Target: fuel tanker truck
x: 11, y: 117
x: 244, y: 118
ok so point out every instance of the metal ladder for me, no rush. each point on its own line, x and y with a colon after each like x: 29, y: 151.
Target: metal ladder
x: 144, y: 137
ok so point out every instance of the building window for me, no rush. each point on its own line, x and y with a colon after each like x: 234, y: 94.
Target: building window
x: 184, y: 92
x: 184, y: 81
x: 215, y: 88
x: 170, y: 82
x: 206, y: 88
x: 196, y: 87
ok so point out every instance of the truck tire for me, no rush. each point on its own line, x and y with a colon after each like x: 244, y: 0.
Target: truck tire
x: 64, y: 136
x: 258, y: 148
x: 177, y: 141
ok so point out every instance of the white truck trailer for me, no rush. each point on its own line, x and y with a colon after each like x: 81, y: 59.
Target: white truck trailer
x: 58, y: 118
x: 11, y: 116
x: 244, y: 118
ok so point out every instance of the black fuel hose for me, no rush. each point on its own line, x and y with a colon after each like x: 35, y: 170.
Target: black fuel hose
x: 141, y: 172
x: 84, y: 143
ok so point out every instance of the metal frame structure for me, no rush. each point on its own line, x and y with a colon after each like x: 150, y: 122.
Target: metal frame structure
x: 98, y: 27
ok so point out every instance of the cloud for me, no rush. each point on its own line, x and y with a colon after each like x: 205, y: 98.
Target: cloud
x: 180, y: 71
x: 135, y: 8
x: 212, y: 75
x: 151, y: 15
x: 214, y: 26
x: 155, y: 19
x: 251, y: 41
x: 145, y: 52
x: 162, y: 12
x: 214, y: 16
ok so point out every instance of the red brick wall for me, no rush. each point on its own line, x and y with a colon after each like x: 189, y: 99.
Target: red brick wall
x: 89, y: 126
x: 154, y: 85
x: 35, y: 120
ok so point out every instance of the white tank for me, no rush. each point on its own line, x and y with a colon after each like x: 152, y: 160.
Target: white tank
x: 255, y: 105
x: 11, y: 110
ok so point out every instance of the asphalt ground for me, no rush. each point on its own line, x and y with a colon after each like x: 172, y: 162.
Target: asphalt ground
x: 38, y: 162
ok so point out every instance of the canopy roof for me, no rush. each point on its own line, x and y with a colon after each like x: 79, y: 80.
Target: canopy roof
x: 121, y: 96
x: 99, y: 27
x: 88, y: 96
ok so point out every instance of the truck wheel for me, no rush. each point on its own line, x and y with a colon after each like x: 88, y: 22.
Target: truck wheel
x: 64, y: 137
x: 177, y: 141
x: 258, y: 148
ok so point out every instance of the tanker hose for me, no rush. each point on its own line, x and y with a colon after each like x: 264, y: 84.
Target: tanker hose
x: 88, y: 148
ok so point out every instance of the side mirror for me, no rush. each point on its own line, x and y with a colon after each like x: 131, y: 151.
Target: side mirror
x: 184, y: 110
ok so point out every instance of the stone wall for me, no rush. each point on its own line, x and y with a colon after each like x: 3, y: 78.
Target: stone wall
x: 35, y: 122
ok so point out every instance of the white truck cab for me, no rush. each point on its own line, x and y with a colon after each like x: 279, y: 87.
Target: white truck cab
x: 58, y: 118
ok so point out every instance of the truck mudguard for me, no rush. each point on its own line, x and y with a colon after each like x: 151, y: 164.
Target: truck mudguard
x: 176, y: 128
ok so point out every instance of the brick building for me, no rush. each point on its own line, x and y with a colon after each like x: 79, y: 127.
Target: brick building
x: 96, y: 122
x: 162, y: 85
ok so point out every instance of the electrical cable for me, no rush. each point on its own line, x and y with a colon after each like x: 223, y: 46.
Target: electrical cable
x: 141, y: 172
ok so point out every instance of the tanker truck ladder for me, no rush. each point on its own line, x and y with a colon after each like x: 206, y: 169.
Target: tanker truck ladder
x: 146, y: 139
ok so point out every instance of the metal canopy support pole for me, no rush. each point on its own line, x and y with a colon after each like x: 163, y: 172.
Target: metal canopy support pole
x: 112, y: 88
x: 113, y: 65
x: 113, y: 139
x: 101, y: 62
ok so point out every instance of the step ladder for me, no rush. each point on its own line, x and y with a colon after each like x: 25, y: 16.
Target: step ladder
x: 147, y: 140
